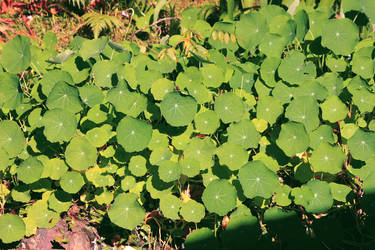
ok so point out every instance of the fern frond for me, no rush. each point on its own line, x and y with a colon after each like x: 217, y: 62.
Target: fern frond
x: 99, y: 22
x: 78, y: 3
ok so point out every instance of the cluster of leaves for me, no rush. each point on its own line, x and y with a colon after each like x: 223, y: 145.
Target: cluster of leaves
x: 273, y: 122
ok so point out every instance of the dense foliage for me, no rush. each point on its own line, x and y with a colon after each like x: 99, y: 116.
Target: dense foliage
x: 267, y: 119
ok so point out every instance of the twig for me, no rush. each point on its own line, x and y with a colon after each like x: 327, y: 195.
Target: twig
x: 155, y: 23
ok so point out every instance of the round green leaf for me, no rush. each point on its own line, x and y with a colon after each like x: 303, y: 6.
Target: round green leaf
x: 229, y: 107
x: 11, y: 138
x: 170, y: 206
x: 243, y: 133
x: 191, y: 75
x: 133, y: 134
x: 241, y: 228
x: 103, y: 71
x: 284, y: 26
x: 282, y: 195
x: 158, y: 140
x: 72, y: 182
x: 178, y: 110
x: 201, y: 150
x: 161, y: 87
x: 21, y: 194
x: 55, y: 168
x: 311, y: 88
x: 257, y: 180
x: 169, y: 171
x: 200, y: 92
x: 30, y: 170
x: 333, y: 109
x: 207, y: 122
x: 80, y: 154
x: 327, y: 158
x: 304, y: 110
x: 322, y: 197
x: 12, y: 228
x: 99, y: 136
x: 190, y: 167
x: 43, y: 217
x: 293, y: 68
x: 272, y: 45
x: 126, y: 212
x: 128, y: 183
x: 96, y: 114
x: 16, y: 55
x: 302, y: 195
x: 322, y: 134
x: 364, y: 100
x: 4, y: 159
x: 103, y: 196
x: 250, y: 30
x: 192, y: 211
x: 65, y: 97
x: 340, y: 192
x: 242, y: 81
x: 293, y: 138
x: 336, y: 65
x: 268, y: 70
x: 219, y: 197
x: 137, y: 165
x: 269, y: 108
x: 59, y: 125
x: 232, y: 155
x: 91, y: 95
x: 50, y: 78
x: 10, y: 93
x: 362, y: 145
x: 60, y: 201
x: 213, y: 76
x: 159, y: 155
x: 340, y: 36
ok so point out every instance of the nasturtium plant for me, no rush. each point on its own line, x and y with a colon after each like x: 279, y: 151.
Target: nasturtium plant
x: 169, y: 171
x: 243, y: 119
x: 12, y: 228
x: 30, y: 170
x: 10, y: 93
x: 137, y: 165
x: 269, y: 109
x: 229, y: 107
x: 12, y: 139
x: 16, y: 54
x: 219, y: 197
x: 333, y: 109
x: 327, y: 158
x: 133, y: 134
x: 71, y: 182
x: 340, y: 36
x: 207, y: 122
x: 243, y: 133
x: 257, y: 180
x: 59, y: 125
x: 65, y: 97
x: 190, y: 167
x: 178, y: 110
x: 80, y: 153
x: 232, y: 155
x: 170, y: 206
x: 362, y: 145
x: 322, y: 198
x: 125, y: 211
x: 293, y: 138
